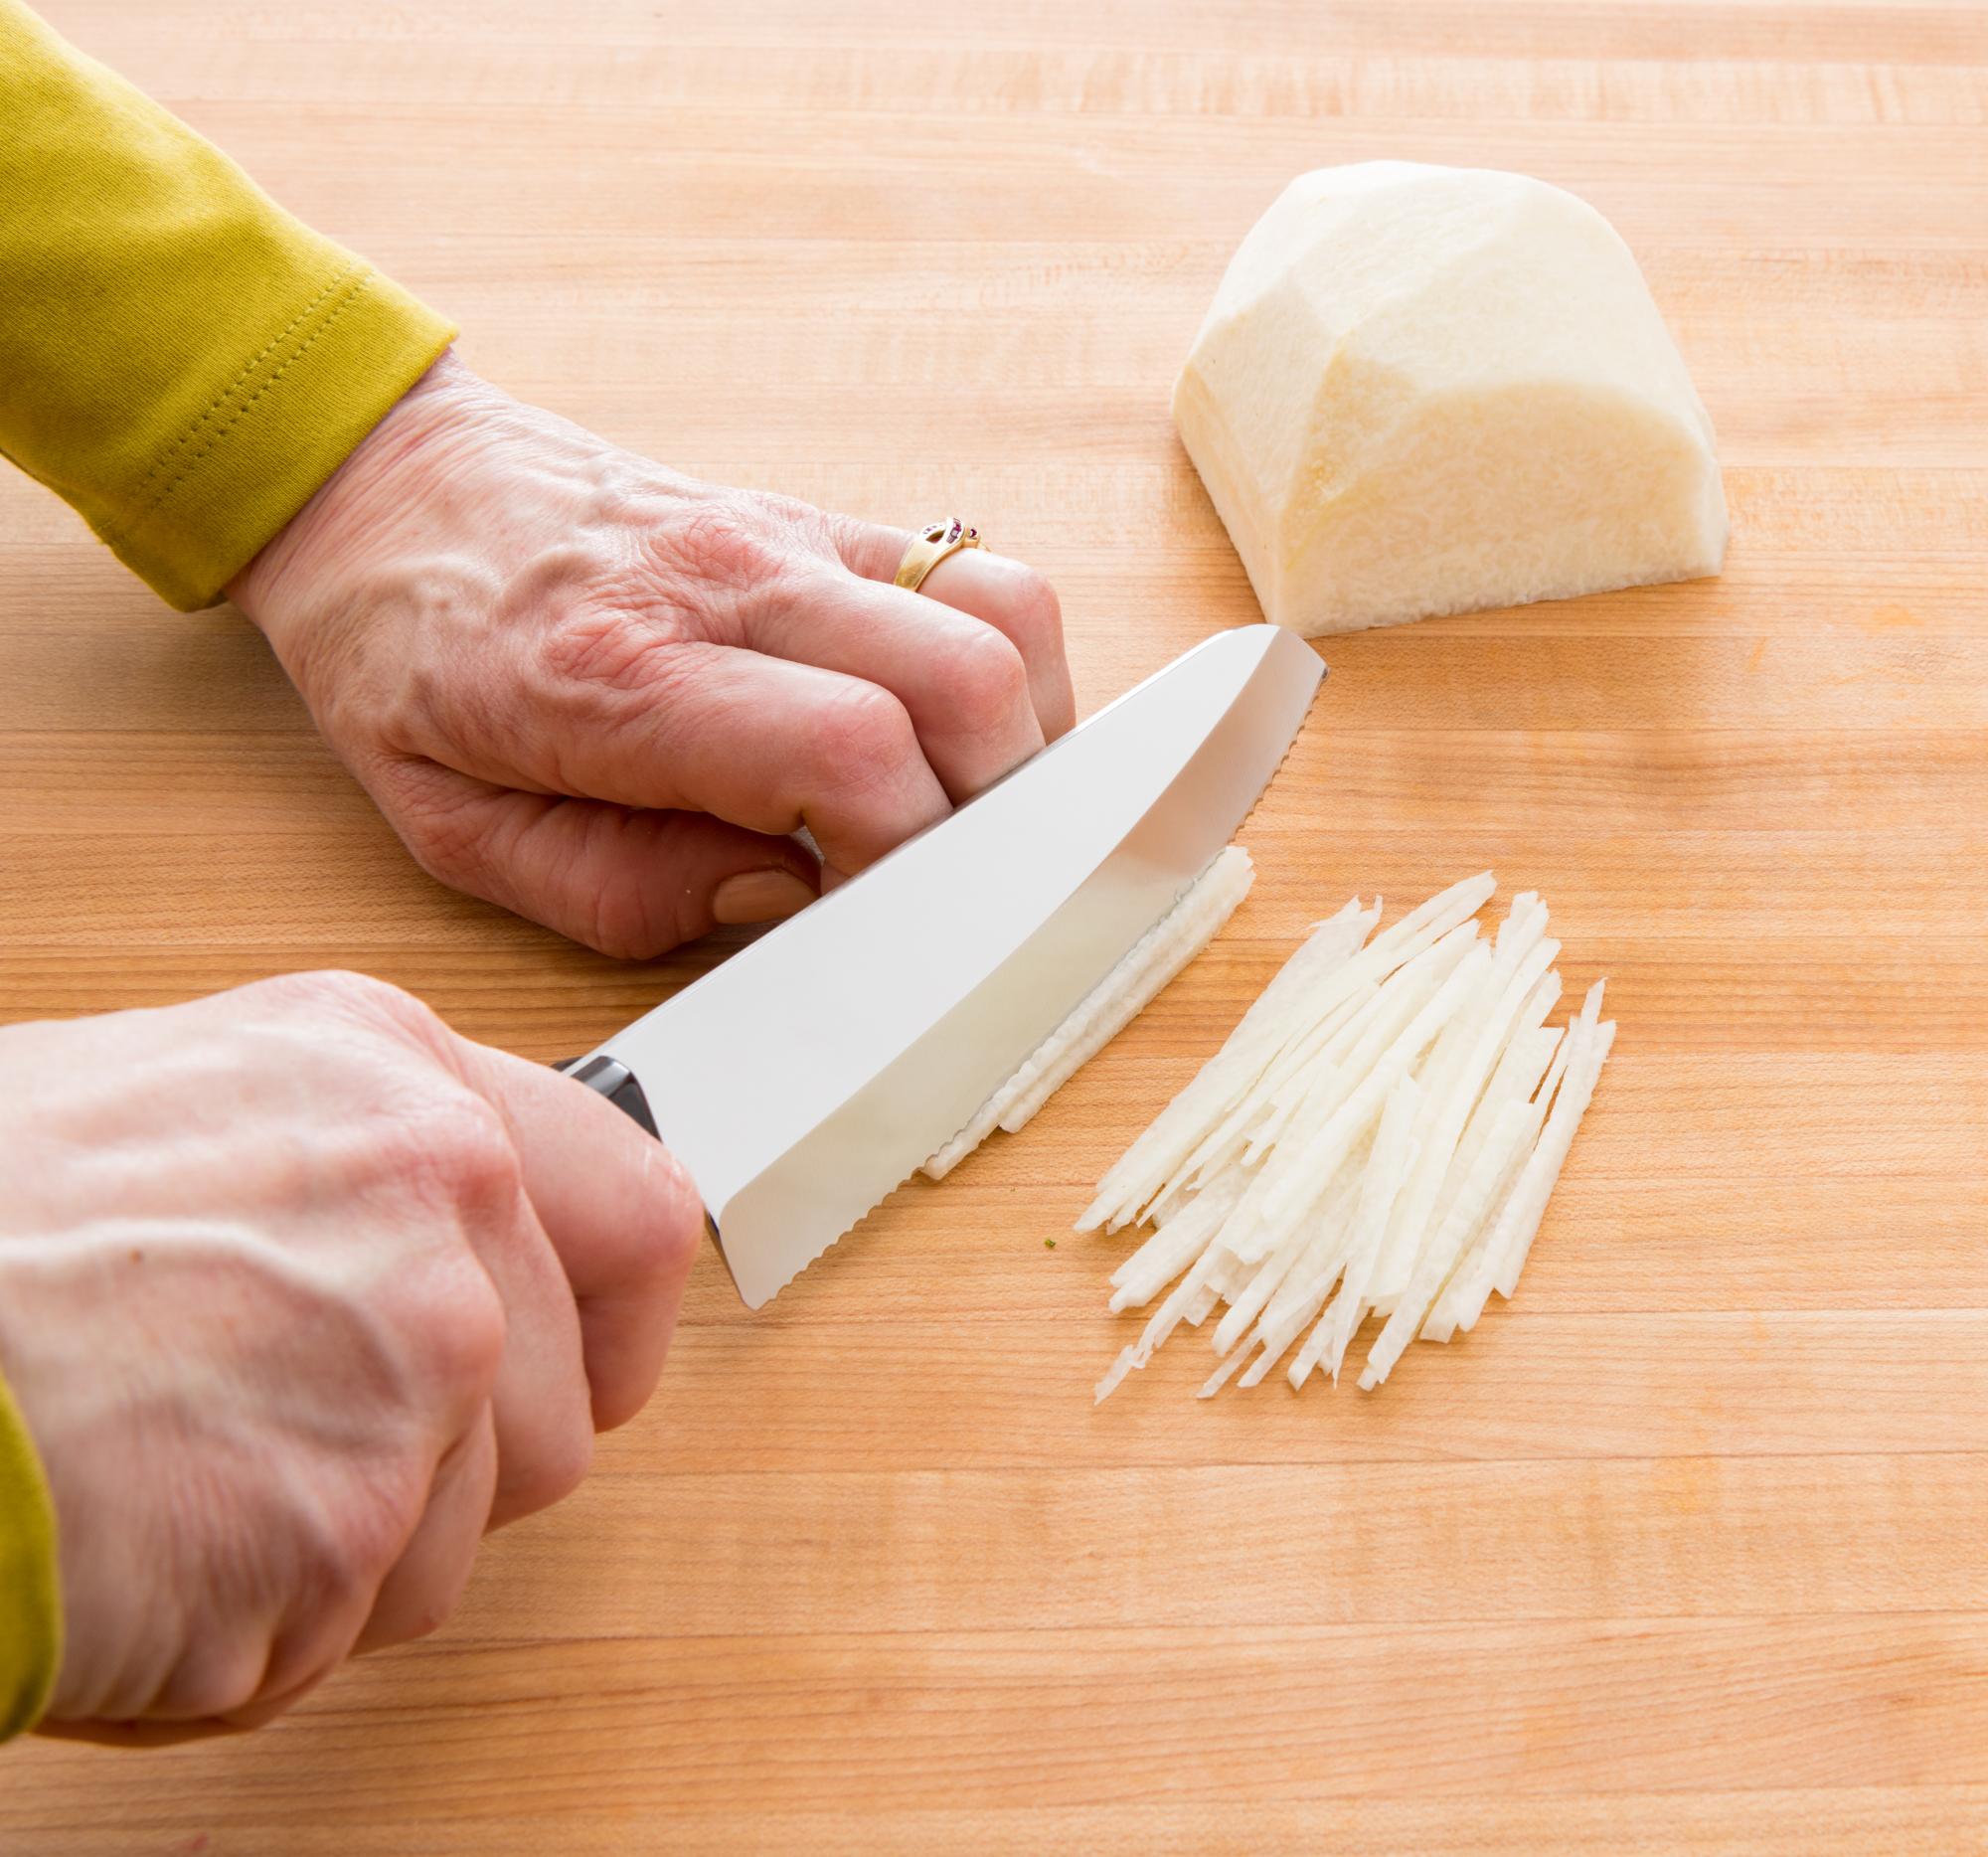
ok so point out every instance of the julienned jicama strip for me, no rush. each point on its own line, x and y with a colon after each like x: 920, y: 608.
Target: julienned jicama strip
x: 1113, y: 1004
x: 1388, y: 1123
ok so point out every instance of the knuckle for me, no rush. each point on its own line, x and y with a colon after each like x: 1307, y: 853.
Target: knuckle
x: 364, y: 1533
x: 598, y: 646
x: 217, y: 1675
x: 615, y: 667
x: 455, y: 1317
x: 807, y: 523
x: 339, y: 989
x: 342, y: 1542
x: 427, y: 1618
x: 461, y: 1142
x: 1038, y: 613
x: 562, y: 1460
x: 989, y: 683
x: 864, y: 737
x: 360, y: 1000
x: 438, y: 1151
x: 721, y: 555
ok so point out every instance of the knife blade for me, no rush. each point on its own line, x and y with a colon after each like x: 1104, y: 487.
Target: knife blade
x: 809, y: 1074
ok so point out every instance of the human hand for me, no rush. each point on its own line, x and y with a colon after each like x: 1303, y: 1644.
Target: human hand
x: 299, y: 1293
x: 601, y: 694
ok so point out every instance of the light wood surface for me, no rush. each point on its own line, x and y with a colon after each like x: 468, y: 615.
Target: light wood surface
x: 1686, y: 1549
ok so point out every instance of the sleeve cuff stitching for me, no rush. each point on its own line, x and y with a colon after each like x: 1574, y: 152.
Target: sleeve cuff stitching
x: 355, y: 288
x: 233, y: 386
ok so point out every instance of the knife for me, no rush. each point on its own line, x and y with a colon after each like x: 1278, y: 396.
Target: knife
x: 808, y: 1075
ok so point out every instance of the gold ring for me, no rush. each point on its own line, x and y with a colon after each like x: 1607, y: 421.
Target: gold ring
x: 931, y: 544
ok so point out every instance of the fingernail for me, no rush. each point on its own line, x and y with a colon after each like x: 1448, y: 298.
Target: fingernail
x: 760, y: 897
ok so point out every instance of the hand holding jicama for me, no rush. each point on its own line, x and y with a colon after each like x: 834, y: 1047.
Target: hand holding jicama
x: 1388, y: 1118
x: 590, y: 689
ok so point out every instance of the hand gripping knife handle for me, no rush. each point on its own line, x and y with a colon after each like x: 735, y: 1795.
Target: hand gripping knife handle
x: 610, y: 1078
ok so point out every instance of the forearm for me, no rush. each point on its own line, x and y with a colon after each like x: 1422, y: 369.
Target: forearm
x: 29, y: 1598
x: 180, y: 360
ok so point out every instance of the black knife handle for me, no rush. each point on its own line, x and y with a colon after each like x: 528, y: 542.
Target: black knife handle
x: 614, y: 1081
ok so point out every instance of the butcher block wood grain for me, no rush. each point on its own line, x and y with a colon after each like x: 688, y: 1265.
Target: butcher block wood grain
x: 1686, y: 1549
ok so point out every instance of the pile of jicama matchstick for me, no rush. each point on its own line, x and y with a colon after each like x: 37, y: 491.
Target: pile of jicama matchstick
x: 1388, y: 1120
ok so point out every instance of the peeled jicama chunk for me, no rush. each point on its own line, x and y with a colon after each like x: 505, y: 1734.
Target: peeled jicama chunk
x: 1428, y: 390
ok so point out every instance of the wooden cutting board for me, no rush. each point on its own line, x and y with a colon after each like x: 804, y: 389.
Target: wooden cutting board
x: 1686, y: 1548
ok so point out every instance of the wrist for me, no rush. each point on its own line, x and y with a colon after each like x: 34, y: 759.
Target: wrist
x: 367, y: 489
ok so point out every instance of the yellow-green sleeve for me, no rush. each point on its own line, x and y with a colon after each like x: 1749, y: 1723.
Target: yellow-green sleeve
x: 179, y: 359
x: 30, y: 1593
